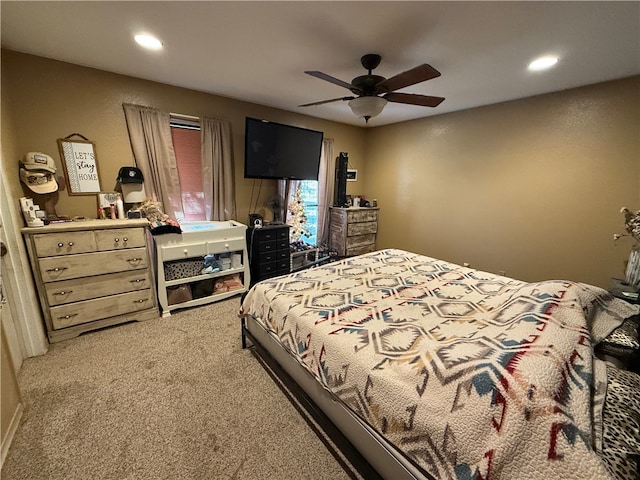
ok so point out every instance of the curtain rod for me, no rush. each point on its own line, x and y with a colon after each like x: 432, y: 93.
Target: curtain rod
x: 185, y: 117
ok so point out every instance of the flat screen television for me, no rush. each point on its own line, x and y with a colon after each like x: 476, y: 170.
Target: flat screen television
x: 274, y: 150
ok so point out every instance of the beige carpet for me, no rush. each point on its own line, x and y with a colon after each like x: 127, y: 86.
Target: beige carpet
x: 173, y: 398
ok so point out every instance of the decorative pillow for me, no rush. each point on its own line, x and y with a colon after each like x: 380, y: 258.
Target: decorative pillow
x: 621, y: 424
x: 160, y: 227
x: 626, y: 335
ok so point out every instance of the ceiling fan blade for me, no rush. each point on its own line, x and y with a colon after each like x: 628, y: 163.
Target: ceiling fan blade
x: 418, y: 74
x: 329, y: 78
x: 326, y: 101
x: 414, y: 99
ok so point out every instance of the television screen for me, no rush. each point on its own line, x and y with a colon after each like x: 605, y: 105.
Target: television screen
x: 274, y: 150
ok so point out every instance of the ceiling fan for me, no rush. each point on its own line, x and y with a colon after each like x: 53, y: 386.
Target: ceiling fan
x: 373, y: 91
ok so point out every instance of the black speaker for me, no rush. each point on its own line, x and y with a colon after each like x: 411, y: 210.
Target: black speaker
x: 342, y: 164
x: 255, y: 220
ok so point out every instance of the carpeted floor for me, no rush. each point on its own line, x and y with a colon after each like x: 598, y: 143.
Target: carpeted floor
x: 173, y: 398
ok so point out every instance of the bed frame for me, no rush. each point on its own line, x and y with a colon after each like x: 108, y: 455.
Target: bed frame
x: 385, y: 459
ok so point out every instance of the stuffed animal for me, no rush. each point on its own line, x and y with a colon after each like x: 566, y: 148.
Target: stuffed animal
x: 159, y: 222
x: 152, y: 210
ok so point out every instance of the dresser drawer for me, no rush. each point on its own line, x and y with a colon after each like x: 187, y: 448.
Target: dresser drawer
x: 360, y: 240
x: 361, y: 228
x: 266, y: 234
x: 359, y: 250
x: 117, y: 238
x: 362, y: 216
x: 83, y: 312
x: 267, y: 269
x: 64, y: 243
x: 183, y: 251
x: 267, y: 247
x: 54, y: 269
x: 78, y: 289
x: 235, y: 245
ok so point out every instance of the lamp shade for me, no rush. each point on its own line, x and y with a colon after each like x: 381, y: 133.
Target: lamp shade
x: 133, y: 192
x: 367, y: 107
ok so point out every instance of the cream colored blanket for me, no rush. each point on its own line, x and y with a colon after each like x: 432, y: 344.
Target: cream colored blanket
x: 470, y: 374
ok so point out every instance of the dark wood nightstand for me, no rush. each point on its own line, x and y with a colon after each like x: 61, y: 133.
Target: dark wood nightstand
x: 619, y: 289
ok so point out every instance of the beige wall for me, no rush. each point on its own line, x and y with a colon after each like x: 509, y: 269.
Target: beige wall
x: 532, y: 187
x: 49, y: 100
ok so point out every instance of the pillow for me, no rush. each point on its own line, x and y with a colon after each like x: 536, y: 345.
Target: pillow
x: 622, y: 346
x: 621, y: 424
x: 626, y: 335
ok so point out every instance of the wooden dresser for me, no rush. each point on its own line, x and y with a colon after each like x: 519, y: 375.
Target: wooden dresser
x: 352, y: 231
x: 91, y: 274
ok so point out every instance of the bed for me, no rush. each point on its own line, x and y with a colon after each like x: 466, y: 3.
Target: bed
x: 434, y: 370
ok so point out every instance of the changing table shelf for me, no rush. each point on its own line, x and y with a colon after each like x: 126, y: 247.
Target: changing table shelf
x: 180, y: 257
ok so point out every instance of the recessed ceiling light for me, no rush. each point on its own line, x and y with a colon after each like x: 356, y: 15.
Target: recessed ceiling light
x: 543, y: 63
x: 148, y: 41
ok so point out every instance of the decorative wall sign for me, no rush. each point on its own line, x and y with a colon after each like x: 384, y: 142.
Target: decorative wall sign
x: 80, y: 165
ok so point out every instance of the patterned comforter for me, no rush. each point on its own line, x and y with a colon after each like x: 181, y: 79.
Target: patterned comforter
x: 472, y: 375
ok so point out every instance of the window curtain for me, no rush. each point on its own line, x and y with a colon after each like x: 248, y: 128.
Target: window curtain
x: 326, y: 181
x: 217, y: 170
x: 150, y: 137
x: 286, y: 190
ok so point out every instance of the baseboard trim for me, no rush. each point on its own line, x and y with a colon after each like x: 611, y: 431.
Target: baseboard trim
x: 13, y: 428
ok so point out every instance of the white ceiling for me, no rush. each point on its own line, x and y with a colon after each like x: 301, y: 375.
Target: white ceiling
x: 258, y: 51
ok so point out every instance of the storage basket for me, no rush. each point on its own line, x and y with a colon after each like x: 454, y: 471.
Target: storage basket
x: 183, y: 268
x: 179, y: 294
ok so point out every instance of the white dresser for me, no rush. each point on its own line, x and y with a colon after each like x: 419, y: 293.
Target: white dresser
x: 91, y: 274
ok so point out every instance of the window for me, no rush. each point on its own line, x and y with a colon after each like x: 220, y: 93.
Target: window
x: 186, y: 145
x: 309, y: 190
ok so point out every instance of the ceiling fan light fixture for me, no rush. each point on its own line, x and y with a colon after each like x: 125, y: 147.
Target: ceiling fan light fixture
x: 367, y: 107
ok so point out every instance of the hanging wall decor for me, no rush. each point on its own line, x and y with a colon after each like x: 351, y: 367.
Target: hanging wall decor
x: 80, y: 165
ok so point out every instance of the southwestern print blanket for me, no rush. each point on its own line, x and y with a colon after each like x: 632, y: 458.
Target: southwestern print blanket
x: 472, y: 375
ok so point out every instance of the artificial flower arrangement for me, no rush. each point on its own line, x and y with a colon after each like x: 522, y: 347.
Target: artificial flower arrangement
x: 632, y: 226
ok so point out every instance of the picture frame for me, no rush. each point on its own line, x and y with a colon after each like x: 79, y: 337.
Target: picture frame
x: 80, y: 165
x: 352, y: 175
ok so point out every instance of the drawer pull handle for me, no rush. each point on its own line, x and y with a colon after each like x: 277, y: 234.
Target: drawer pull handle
x: 67, y: 292
x: 61, y: 245
x: 139, y: 301
x: 137, y: 280
x: 57, y: 269
x: 71, y: 244
x: 125, y: 239
x: 134, y: 260
x: 116, y: 240
x: 67, y: 317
